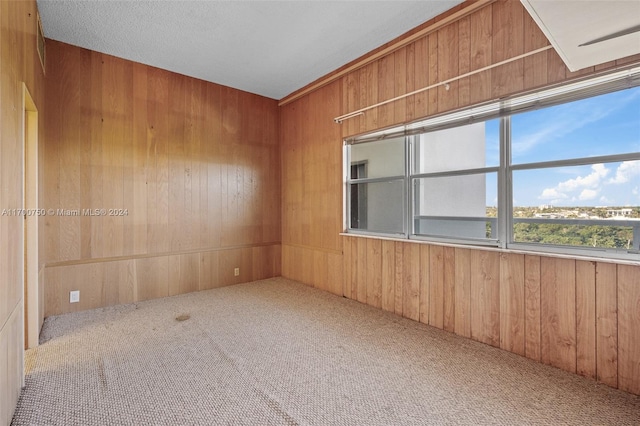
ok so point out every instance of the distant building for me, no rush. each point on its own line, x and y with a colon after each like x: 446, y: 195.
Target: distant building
x: 545, y: 207
x: 619, y: 212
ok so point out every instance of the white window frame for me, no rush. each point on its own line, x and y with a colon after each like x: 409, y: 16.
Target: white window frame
x: 503, y: 109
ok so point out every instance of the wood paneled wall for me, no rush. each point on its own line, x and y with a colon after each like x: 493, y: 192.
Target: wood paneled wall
x: 577, y: 315
x: 312, y: 189
x: 195, y: 165
x: 573, y: 314
x: 19, y: 64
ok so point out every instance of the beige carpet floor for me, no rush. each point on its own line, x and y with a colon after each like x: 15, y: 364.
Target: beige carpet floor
x: 277, y: 352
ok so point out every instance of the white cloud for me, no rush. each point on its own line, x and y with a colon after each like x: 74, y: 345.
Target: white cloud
x: 626, y: 171
x: 635, y: 191
x: 588, y: 194
x: 551, y: 194
x: 589, y: 185
x: 592, y: 180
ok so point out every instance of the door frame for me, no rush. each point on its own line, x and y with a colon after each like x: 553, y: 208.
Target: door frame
x: 32, y: 293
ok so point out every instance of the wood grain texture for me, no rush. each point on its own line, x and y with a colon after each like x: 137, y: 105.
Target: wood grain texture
x: 586, y: 318
x: 436, y: 286
x: 449, y: 289
x: 532, y: 306
x: 607, y: 323
x: 628, y: 330
x: 374, y: 273
x: 178, y: 165
x: 134, y: 279
x: 425, y: 278
x: 361, y: 274
x: 463, y: 292
x: 411, y: 284
x: 518, y: 305
x: 19, y: 64
x: 512, y: 303
x: 388, y: 272
x: 558, y: 313
x: 185, y: 170
x: 399, y: 277
x: 485, y: 297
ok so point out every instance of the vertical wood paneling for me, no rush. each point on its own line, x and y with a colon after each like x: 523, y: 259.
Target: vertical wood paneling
x: 607, y: 324
x: 20, y: 65
x: 388, y: 275
x: 171, y: 152
x: 361, y: 274
x: 628, y: 330
x: 485, y: 297
x: 334, y: 265
x: 447, y: 51
x: 400, y: 84
x: 425, y: 277
x: 463, y: 292
x: 374, y: 273
x: 481, y: 54
x: 508, y: 41
x: 354, y: 269
x: 320, y: 270
x: 157, y: 141
x: 532, y: 306
x: 464, y: 60
x: 543, y: 313
x: 449, y: 289
x: 399, y: 277
x: 586, y: 318
x: 512, y: 303
x: 558, y: 311
x: 436, y: 286
x: 209, y: 270
x: 535, y: 66
x: 347, y: 264
x: 411, y: 282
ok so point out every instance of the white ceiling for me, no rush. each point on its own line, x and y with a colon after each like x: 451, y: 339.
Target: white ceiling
x: 570, y: 23
x: 271, y: 48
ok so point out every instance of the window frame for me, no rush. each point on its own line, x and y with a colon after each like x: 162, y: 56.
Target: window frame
x: 503, y: 110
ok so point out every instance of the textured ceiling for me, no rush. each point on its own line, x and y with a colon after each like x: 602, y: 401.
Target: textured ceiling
x: 271, y: 48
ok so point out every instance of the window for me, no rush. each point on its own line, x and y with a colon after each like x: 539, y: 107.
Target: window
x: 377, y: 186
x: 557, y: 170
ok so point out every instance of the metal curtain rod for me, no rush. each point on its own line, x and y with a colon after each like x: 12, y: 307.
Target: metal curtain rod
x: 445, y: 83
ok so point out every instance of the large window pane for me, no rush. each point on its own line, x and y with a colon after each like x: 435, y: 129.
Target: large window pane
x: 455, y: 206
x: 377, y: 206
x: 585, y: 206
x: 377, y: 159
x: 602, y: 125
x: 467, y: 147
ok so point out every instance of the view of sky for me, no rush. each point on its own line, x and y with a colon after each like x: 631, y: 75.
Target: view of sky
x: 603, y: 125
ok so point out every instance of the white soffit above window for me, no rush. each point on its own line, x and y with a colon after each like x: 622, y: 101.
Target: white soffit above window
x: 610, y: 28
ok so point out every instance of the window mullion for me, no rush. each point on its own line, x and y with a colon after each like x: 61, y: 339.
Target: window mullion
x: 505, y: 199
x: 409, y: 193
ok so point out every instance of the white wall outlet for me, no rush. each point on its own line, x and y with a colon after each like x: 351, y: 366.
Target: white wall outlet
x: 236, y: 272
x: 74, y: 296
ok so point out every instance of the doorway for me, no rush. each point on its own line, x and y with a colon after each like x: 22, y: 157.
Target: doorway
x: 32, y: 296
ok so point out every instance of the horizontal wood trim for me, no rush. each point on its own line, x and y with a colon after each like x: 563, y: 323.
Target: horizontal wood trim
x: 499, y: 250
x: 148, y: 255
x: 103, y: 283
x: 428, y: 27
x: 308, y: 247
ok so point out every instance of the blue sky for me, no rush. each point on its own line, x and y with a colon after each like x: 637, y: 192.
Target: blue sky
x: 603, y: 125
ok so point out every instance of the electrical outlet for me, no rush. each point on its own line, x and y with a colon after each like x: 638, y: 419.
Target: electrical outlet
x: 74, y: 296
x: 236, y: 272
